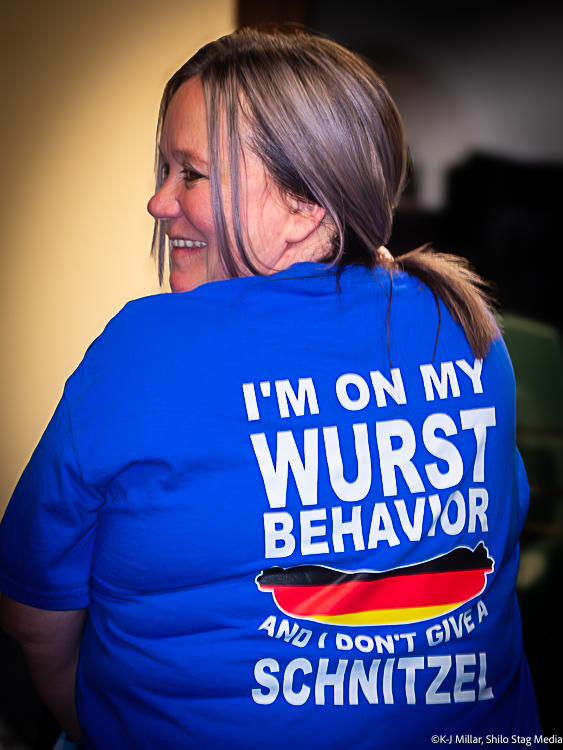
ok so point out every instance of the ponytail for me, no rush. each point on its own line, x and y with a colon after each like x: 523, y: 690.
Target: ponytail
x: 465, y: 294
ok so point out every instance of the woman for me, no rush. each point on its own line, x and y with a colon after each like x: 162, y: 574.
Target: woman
x: 285, y: 509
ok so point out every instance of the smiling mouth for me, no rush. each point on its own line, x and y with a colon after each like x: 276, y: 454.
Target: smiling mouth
x: 186, y: 243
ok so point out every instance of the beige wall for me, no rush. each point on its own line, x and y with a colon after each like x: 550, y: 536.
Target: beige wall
x: 82, y: 83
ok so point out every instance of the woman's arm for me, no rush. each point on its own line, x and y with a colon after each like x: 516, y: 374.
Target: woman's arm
x: 50, y: 641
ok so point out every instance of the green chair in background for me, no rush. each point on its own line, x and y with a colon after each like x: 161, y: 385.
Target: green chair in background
x: 537, y: 356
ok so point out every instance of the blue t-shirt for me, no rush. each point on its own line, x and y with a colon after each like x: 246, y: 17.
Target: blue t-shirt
x: 292, y: 507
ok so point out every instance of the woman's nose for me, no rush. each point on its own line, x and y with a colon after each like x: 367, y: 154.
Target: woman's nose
x: 164, y: 204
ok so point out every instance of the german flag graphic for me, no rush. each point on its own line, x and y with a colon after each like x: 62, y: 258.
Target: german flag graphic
x: 392, y: 597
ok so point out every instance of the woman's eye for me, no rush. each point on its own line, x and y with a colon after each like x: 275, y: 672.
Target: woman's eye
x: 165, y: 171
x: 189, y: 175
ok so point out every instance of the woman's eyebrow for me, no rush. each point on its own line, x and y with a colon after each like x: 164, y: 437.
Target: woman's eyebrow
x: 182, y: 156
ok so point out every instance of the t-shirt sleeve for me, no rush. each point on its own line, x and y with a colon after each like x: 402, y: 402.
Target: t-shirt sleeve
x: 47, y: 533
x: 523, y: 487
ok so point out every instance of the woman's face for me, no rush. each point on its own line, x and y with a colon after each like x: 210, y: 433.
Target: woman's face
x: 184, y: 200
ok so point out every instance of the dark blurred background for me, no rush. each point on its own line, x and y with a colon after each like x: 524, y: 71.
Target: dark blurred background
x: 479, y: 88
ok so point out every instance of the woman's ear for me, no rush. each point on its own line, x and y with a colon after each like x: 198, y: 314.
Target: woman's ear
x: 303, y: 220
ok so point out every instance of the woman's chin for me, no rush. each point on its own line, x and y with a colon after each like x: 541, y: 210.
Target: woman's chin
x: 185, y: 282
x: 188, y: 271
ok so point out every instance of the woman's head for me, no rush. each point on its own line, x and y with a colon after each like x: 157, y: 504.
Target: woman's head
x: 290, y: 121
x: 279, y: 230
